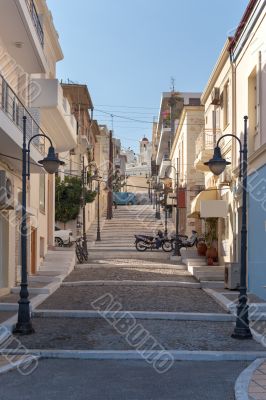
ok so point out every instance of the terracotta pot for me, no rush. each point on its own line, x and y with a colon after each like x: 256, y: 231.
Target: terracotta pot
x: 210, y: 261
x: 202, y: 248
x: 212, y: 253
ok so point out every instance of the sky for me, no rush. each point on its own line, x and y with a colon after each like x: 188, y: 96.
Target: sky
x: 127, y: 51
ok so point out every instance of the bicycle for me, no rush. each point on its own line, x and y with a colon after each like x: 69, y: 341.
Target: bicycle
x: 81, y: 252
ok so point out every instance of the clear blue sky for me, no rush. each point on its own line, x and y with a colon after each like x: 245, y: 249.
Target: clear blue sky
x: 126, y: 51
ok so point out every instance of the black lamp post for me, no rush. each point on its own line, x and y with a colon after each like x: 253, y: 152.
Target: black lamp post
x: 98, y: 178
x: 157, y: 201
x: 50, y: 163
x: 217, y: 165
x: 84, y: 170
x: 176, y: 248
x: 165, y: 213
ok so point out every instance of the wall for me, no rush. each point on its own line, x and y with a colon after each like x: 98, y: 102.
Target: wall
x: 257, y: 233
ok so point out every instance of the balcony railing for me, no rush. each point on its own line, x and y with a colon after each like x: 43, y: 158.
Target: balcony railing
x: 207, y: 140
x: 15, y: 110
x: 36, y: 20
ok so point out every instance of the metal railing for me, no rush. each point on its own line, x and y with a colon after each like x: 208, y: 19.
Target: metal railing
x: 36, y: 20
x: 207, y: 140
x: 11, y: 105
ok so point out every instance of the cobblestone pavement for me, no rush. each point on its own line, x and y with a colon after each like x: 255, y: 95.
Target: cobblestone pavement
x: 137, y: 298
x: 128, y: 380
x: 123, y: 380
x: 4, y: 315
x: 98, y: 334
x: 129, y: 273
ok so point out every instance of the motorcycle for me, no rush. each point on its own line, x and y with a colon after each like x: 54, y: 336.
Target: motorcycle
x: 144, y: 242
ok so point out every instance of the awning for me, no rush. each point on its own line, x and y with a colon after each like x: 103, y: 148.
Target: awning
x: 210, y: 194
x: 207, y: 205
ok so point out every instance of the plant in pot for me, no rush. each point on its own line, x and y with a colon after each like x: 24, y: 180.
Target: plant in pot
x: 201, y: 247
x: 211, y: 240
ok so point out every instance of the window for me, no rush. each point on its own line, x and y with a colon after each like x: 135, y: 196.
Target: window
x: 42, y: 193
x: 194, y: 101
x: 226, y: 105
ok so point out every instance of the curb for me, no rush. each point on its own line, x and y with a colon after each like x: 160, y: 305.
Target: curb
x: 156, y: 315
x: 192, y: 285
x: 242, y: 382
x: 173, y: 355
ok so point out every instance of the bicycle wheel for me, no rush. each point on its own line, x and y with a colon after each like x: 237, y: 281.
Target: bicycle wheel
x: 79, y: 253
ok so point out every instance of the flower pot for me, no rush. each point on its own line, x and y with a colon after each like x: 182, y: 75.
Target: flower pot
x: 210, y: 261
x: 201, y: 248
x: 212, y: 253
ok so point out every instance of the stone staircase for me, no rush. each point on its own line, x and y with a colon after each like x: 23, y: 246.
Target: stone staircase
x: 209, y: 276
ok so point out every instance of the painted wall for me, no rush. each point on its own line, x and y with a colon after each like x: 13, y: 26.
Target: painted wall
x: 257, y: 233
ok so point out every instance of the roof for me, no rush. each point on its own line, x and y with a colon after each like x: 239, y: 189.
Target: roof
x: 79, y: 94
x: 242, y: 23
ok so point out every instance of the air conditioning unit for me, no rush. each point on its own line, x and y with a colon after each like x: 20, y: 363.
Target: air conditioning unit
x: 6, y: 191
x: 232, y: 275
x: 215, y: 96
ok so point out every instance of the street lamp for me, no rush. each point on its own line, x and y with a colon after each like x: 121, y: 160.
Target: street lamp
x: 176, y: 248
x: 165, y: 212
x: 217, y: 165
x: 98, y: 178
x: 51, y: 164
x: 83, y: 202
x: 157, y: 188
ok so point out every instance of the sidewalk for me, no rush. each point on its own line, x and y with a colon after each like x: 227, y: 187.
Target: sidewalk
x: 257, y: 385
x: 55, y: 267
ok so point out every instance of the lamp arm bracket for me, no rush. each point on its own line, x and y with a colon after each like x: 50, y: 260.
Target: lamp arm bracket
x: 39, y: 135
x: 231, y: 135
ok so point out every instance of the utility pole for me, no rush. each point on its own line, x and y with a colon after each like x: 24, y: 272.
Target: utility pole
x: 110, y: 179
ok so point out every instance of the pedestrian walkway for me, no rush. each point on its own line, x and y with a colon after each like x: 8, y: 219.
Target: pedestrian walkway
x: 257, y: 386
x: 135, y: 308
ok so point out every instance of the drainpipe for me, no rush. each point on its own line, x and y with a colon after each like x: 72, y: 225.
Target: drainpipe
x: 234, y: 156
x: 260, y: 99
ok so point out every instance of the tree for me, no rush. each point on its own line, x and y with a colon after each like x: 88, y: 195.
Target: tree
x: 68, y: 198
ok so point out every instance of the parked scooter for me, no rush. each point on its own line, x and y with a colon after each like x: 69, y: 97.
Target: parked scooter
x: 184, y: 241
x: 144, y: 242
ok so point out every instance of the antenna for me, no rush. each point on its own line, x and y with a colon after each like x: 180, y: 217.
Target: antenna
x: 112, y: 122
x: 172, y: 85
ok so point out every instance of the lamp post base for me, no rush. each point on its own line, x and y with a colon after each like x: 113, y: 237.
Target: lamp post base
x: 24, y: 328
x: 242, y: 330
x: 242, y: 333
x: 157, y: 215
x: 24, y: 324
x: 98, y: 237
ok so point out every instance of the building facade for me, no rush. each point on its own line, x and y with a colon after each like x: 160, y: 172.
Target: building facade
x: 29, y: 51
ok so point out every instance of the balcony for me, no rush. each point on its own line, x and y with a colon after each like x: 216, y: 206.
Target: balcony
x: 22, y: 35
x: 205, y: 144
x: 36, y: 20
x: 163, y: 144
x: 56, y: 113
x: 165, y: 164
x: 12, y: 111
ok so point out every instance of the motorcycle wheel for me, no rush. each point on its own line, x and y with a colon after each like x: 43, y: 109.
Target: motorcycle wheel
x: 167, y: 246
x: 140, y: 246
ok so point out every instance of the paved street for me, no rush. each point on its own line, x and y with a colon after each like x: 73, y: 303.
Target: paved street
x: 135, y: 282
x: 123, y: 380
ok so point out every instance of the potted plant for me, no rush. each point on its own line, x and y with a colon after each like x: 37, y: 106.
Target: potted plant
x: 211, y: 239
x: 201, y: 247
